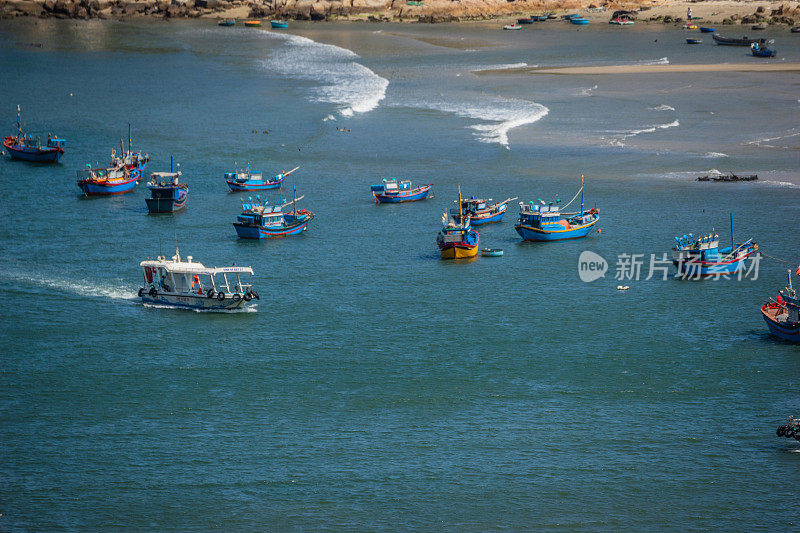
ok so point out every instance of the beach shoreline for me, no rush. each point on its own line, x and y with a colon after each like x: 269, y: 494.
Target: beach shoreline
x: 727, y: 12
x: 647, y: 69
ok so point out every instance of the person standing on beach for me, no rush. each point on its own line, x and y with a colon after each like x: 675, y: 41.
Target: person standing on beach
x: 689, y: 14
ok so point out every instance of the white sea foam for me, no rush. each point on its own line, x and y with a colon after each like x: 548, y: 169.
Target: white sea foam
x: 619, y: 136
x: 714, y: 155
x: 504, y: 66
x: 661, y: 61
x: 503, y: 115
x: 585, y: 91
x: 345, y: 82
x: 248, y: 309
x: 329, y: 117
x: 764, y: 141
x: 662, y: 107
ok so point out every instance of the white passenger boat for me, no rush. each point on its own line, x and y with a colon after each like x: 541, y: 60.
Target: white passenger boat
x: 189, y: 284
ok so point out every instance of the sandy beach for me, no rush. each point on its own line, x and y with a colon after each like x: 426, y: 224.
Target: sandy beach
x: 649, y: 69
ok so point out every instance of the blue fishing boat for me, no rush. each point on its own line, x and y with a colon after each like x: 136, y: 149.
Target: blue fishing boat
x: 227, y: 22
x: 759, y: 50
x: 572, y: 16
x: 707, y: 30
x: 782, y: 314
x: 694, y: 41
x: 279, y: 24
x: 481, y: 211
x: 457, y: 240
x: 390, y: 191
x: 110, y: 181
x: 546, y: 222
x: 579, y: 20
x: 260, y: 220
x: 253, y: 180
x: 25, y: 147
x: 491, y: 252
x: 167, y: 193
x: 697, y: 257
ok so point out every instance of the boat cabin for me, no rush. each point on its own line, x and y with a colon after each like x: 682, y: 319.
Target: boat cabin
x: 188, y: 277
x: 262, y: 214
x: 392, y: 186
x: 546, y: 217
x: 245, y: 175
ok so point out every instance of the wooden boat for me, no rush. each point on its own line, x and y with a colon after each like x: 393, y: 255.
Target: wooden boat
x: 189, y: 284
x: 253, y: 180
x: 782, y: 315
x: 167, y: 193
x: 110, y: 181
x: 227, y: 22
x: 758, y: 27
x: 491, y: 252
x: 551, y: 16
x: 279, y: 24
x: 727, y: 177
x: 389, y: 191
x: 704, y: 29
x: 698, y: 257
x: 512, y: 27
x: 528, y: 20
x: 457, y: 240
x: 579, y: 21
x: 694, y: 41
x: 252, y: 23
x: 570, y: 17
x: 795, y: 29
x: 24, y: 147
x: 539, y: 18
x: 480, y: 211
x: 546, y: 222
x: 621, y: 21
x: 761, y: 51
x: 260, y: 220
x: 732, y: 41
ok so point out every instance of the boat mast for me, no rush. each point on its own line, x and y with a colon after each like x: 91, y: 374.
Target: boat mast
x: 294, y: 200
x: 733, y: 241
x: 170, y: 164
x: 582, y: 189
x: 19, y: 124
x: 129, y: 137
x: 460, y: 211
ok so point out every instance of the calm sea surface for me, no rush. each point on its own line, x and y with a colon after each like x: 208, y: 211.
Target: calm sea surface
x: 377, y: 387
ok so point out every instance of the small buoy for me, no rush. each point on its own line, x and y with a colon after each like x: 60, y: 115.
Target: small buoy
x: 622, y: 288
x: 70, y: 94
x: 599, y: 231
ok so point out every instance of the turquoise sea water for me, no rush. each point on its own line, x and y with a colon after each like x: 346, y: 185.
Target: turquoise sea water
x: 376, y: 386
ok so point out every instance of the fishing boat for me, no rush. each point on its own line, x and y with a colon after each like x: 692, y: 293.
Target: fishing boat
x: 694, y: 41
x: 539, y: 18
x: 579, y: 21
x: 758, y: 27
x: 762, y: 51
x: 481, y: 211
x: 795, y: 29
x: 227, y: 22
x: 689, y: 26
x: 733, y: 41
x: 528, y: 20
x: 109, y: 181
x: 253, y: 180
x: 188, y: 284
x: 705, y: 29
x: 782, y: 313
x: 167, y: 193
x: 25, y: 147
x: 701, y: 256
x: 551, y: 16
x: 512, y: 27
x: 572, y: 16
x: 491, y: 252
x: 457, y: 240
x: 279, y: 24
x: 540, y: 221
x: 390, y: 191
x: 727, y: 177
x: 252, y: 23
x: 261, y: 220
x: 621, y: 21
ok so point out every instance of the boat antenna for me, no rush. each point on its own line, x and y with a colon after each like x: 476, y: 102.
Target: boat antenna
x: 582, y: 189
x: 294, y: 200
x: 19, y: 121
x: 129, y: 137
x: 170, y: 164
x: 733, y: 241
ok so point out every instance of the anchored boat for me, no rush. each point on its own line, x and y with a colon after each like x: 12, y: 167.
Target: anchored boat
x: 391, y: 191
x: 457, y: 240
x: 227, y: 22
x: 167, y: 193
x: 25, y: 147
x: 260, y: 220
x: 734, y: 41
x: 761, y: 50
x: 481, y: 211
x: 188, y: 284
x: 546, y: 222
x: 782, y: 315
x: 701, y: 256
x: 279, y: 24
x: 253, y: 180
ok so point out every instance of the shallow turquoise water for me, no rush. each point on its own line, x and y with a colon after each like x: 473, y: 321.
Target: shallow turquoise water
x: 377, y: 387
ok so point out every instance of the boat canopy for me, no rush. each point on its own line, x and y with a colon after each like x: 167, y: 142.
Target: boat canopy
x: 190, y: 267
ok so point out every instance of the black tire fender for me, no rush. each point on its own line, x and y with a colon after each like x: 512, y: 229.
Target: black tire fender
x: 236, y: 297
x: 141, y: 291
x: 248, y: 297
x: 220, y: 296
x: 153, y: 292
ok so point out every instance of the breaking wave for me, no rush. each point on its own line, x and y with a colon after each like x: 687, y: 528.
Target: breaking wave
x: 585, y: 91
x: 714, y: 155
x: 506, y: 66
x: 662, y: 107
x: 619, y: 136
x: 345, y: 82
x: 764, y: 142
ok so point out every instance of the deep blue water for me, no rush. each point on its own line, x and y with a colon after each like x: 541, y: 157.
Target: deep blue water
x: 376, y: 386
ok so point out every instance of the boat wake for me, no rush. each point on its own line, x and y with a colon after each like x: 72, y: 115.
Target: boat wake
x: 662, y: 107
x: 352, y: 86
x: 249, y: 309
x: 714, y: 155
x: 118, y: 292
x: 764, y: 142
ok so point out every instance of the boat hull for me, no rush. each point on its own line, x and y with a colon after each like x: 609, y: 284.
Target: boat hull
x: 458, y: 251
x: 166, y: 205
x: 414, y: 195
x: 46, y: 155
x: 693, y: 269
x: 783, y: 330
x: 197, y: 302
x: 237, y: 186
x: 529, y: 233
x: 252, y: 231
x: 95, y: 188
x: 279, y: 25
